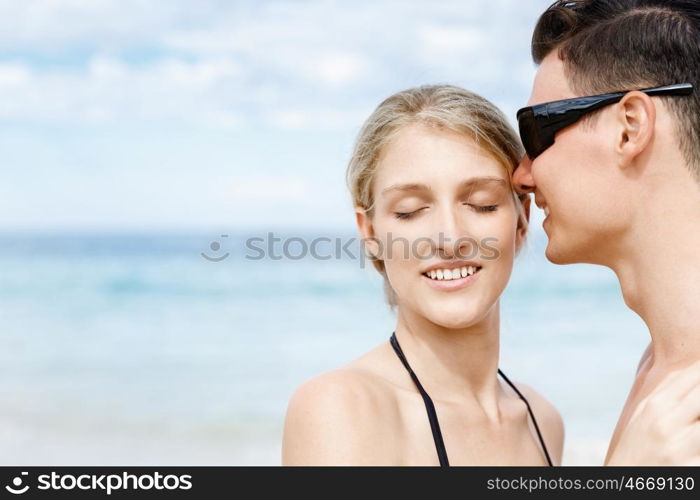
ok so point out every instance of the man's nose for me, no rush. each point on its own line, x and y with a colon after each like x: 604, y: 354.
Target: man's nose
x: 522, y: 177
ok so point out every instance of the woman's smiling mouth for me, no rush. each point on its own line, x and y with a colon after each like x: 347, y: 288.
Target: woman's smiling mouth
x: 451, y: 278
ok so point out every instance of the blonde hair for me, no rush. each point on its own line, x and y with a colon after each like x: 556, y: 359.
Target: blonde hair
x: 441, y: 106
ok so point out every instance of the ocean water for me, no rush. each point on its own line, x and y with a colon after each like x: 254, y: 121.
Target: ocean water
x: 134, y: 349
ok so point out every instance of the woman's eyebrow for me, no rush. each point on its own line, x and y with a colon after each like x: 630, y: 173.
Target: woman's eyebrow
x: 406, y: 188
x: 469, y: 183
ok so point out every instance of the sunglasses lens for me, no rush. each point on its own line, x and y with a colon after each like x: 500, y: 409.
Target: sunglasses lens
x: 529, y: 133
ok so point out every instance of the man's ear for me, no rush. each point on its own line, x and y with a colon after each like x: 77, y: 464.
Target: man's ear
x: 523, y: 226
x: 636, y: 117
x: 366, y: 230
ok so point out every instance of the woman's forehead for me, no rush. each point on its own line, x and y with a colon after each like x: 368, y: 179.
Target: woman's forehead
x: 435, y: 156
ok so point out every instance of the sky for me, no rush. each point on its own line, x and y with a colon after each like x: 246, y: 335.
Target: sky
x: 222, y: 115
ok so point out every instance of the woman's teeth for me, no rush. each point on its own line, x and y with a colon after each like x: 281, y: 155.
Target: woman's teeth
x: 451, y: 274
x: 546, y: 211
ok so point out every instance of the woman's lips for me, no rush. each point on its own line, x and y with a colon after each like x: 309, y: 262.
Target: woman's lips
x: 455, y: 284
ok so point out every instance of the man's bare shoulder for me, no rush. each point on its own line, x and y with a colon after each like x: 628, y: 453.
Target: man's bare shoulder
x: 331, y: 420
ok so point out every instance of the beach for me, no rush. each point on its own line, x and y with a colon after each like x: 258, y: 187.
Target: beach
x: 134, y: 349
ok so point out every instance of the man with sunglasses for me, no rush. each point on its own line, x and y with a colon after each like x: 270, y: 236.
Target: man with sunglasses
x: 612, y: 134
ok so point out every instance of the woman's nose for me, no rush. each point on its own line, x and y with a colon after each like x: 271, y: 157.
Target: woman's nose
x: 451, y: 235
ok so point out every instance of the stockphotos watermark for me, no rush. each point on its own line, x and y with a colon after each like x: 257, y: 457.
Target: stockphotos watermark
x: 275, y: 247
x: 101, y: 482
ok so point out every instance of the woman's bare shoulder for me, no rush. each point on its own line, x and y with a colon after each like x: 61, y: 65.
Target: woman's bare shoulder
x: 344, y: 386
x: 334, y: 418
x: 548, y: 419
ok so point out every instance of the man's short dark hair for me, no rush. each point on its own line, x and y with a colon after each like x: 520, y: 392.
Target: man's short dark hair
x: 613, y: 45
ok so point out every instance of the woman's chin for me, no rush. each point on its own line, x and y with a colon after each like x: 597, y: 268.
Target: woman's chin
x: 457, y: 317
x: 457, y: 324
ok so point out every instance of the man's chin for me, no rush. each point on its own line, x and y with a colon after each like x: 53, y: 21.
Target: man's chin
x: 557, y: 255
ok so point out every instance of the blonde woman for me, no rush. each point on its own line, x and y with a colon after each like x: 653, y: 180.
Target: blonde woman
x: 430, y: 179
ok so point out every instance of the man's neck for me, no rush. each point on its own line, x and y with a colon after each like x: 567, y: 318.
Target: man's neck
x: 660, y: 273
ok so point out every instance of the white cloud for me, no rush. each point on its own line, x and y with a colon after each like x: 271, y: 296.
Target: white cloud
x: 13, y: 75
x: 290, y: 119
x: 337, y: 68
x: 451, y: 38
x: 49, y: 26
x: 271, y: 82
x: 285, y: 64
x: 309, y: 119
x: 109, y: 89
x: 105, y: 69
x: 200, y: 74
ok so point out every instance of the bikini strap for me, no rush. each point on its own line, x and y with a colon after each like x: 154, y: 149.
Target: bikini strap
x: 532, y: 416
x: 432, y: 415
x: 430, y: 408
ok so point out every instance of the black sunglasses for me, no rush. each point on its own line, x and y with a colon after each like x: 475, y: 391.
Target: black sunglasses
x: 538, y: 124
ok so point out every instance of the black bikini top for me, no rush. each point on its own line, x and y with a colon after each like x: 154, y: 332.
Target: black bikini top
x: 432, y: 416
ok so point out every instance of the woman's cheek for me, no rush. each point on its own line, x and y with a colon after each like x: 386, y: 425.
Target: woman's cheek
x: 499, y: 249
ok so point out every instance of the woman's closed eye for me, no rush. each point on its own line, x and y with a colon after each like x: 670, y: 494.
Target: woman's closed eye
x: 476, y: 208
x: 407, y: 215
x: 483, y: 208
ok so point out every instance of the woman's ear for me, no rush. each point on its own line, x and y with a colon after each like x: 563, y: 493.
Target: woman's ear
x: 366, y: 230
x: 523, y: 225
